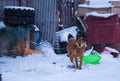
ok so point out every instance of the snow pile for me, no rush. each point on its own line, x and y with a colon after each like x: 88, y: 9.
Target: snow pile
x: 110, y: 50
x: 63, y: 34
x: 46, y: 45
x: 2, y: 24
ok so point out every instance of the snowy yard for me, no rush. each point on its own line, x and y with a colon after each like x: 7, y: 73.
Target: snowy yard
x: 53, y: 67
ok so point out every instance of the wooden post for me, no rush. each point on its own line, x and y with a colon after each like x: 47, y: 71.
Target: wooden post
x: 21, y: 47
x: 3, y: 45
x: 24, y: 2
x: 32, y: 39
x: 82, y: 1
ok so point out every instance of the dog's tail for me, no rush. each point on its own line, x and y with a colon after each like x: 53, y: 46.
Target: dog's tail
x: 70, y: 36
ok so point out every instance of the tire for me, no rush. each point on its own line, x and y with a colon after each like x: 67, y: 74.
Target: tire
x: 19, y: 12
x: 14, y: 20
x: 19, y: 16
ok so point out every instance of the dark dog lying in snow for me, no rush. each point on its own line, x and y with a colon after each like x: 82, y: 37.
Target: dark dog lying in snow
x: 76, y: 49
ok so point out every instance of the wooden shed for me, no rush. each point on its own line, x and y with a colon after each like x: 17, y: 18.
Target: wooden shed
x: 115, y: 8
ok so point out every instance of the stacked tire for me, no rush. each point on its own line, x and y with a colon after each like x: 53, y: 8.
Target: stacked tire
x: 16, y: 15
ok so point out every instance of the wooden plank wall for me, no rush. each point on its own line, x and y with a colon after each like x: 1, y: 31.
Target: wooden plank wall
x: 67, y: 11
x: 45, y: 18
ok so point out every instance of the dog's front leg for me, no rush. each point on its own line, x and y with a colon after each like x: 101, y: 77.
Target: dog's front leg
x: 71, y: 59
x: 76, y: 62
x: 81, y: 60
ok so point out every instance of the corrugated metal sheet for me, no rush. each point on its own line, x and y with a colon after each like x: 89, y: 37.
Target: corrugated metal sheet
x: 45, y: 18
x: 1, y: 9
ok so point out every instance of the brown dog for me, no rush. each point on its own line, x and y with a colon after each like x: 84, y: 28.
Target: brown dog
x: 76, y: 50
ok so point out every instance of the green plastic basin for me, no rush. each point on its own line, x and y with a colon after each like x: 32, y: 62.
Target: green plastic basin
x: 91, y: 59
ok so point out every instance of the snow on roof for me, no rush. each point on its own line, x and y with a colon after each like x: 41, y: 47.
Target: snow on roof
x: 100, y: 2
x: 106, y: 15
x: 94, y: 6
x: 103, y: 0
x: 20, y: 7
x: 97, y: 4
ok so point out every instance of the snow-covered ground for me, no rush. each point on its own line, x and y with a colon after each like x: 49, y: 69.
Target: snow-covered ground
x: 53, y: 67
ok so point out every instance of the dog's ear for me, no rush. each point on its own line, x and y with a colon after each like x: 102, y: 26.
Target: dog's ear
x: 81, y: 34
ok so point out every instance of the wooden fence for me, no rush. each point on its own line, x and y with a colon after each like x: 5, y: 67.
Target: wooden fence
x: 67, y: 10
x: 46, y: 14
